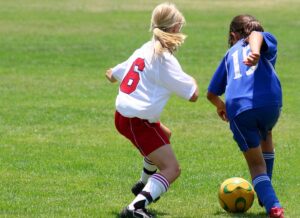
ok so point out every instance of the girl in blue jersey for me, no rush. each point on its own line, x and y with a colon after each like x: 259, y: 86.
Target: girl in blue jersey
x: 253, y: 101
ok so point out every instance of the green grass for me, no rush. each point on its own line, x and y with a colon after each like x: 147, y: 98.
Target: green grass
x: 60, y: 155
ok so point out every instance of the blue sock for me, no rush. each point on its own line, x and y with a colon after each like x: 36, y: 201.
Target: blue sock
x: 265, y: 192
x: 269, y: 159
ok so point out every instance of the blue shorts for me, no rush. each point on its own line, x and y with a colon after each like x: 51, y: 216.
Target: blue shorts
x: 252, y: 126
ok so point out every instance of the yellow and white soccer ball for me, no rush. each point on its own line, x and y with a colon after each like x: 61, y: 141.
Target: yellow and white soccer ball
x: 236, y: 195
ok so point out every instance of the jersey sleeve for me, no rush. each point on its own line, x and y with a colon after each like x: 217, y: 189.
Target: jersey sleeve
x: 270, y: 46
x: 172, y: 77
x: 119, y: 71
x: 219, y: 80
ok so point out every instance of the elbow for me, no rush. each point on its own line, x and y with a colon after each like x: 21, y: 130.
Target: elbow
x: 210, y: 96
x: 195, y: 96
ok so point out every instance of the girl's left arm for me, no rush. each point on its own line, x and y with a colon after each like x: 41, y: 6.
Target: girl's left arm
x: 255, y: 40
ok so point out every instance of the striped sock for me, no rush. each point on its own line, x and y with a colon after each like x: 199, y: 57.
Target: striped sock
x: 265, y: 192
x: 155, y: 187
x: 269, y: 159
x: 148, y: 170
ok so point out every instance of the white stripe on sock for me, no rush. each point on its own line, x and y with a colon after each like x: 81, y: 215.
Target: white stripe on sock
x: 268, y: 155
x: 260, y: 179
x: 162, y: 180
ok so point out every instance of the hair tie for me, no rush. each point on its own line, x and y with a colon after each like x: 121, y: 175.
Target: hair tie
x: 161, y: 28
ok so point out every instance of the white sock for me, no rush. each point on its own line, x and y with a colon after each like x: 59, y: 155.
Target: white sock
x: 148, y: 170
x: 155, y: 187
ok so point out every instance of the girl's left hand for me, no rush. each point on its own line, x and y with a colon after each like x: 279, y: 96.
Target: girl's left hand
x: 252, y: 59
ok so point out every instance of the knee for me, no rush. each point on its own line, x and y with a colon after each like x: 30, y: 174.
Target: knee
x: 257, y: 170
x: 176, y: 171
x: 172, y: 173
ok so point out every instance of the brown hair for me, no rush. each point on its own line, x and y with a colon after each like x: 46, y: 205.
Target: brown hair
x: 164, y: 17
x: 243, y: 25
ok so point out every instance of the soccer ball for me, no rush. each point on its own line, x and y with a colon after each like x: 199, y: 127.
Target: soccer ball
x: 236, y: 195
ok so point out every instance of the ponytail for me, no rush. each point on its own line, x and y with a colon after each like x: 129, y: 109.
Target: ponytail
x: 164, y: 17
x: 165, y: 41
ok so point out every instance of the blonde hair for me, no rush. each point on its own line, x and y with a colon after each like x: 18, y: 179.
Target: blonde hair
x: 164, y: 17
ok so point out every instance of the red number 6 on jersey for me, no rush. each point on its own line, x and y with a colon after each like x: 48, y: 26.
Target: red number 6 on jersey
x: 132, y: 78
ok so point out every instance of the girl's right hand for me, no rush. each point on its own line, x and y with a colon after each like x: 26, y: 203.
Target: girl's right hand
x: 109, y: 76
x: 219, y: 103
x: 222, y: 113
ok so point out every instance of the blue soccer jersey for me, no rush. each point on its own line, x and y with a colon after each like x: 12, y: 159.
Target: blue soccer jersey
x: 248, y: 87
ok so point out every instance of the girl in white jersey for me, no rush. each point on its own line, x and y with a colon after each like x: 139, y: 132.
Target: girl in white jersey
x: 147, y: 79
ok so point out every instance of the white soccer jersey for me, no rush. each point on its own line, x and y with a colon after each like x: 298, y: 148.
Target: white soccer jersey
x: 147, y: 81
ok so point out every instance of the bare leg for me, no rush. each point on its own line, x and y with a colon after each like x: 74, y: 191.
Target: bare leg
x: 166, y: 130
x: 158, y: 184
x: 267, y: 145
x: 255, y: 161
x: 262, y: 183
x: 149, y: 167
x: 166, y: 162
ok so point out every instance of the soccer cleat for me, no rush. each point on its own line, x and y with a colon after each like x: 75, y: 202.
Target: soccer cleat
x: 138, y: 187
x: 276, y: 212
x: 137, y: 213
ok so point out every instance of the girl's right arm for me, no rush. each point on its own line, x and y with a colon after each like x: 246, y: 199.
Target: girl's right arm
x: 109, y: 76
x: 116, y: 73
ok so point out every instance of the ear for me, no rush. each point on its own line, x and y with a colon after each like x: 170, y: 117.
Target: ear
x: 172, y: 29
x: 235, y: 37
x: 175, y: 29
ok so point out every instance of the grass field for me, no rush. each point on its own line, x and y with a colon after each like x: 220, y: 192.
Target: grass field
x: 60, y: 155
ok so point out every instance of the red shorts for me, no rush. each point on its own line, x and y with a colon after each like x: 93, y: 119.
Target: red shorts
x: 146, y: 136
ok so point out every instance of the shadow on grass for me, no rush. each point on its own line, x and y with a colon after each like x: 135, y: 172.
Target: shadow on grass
x: 115, y: 214
x: 155, y: 213
x: 240, y: 215
x: 217, y: 214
